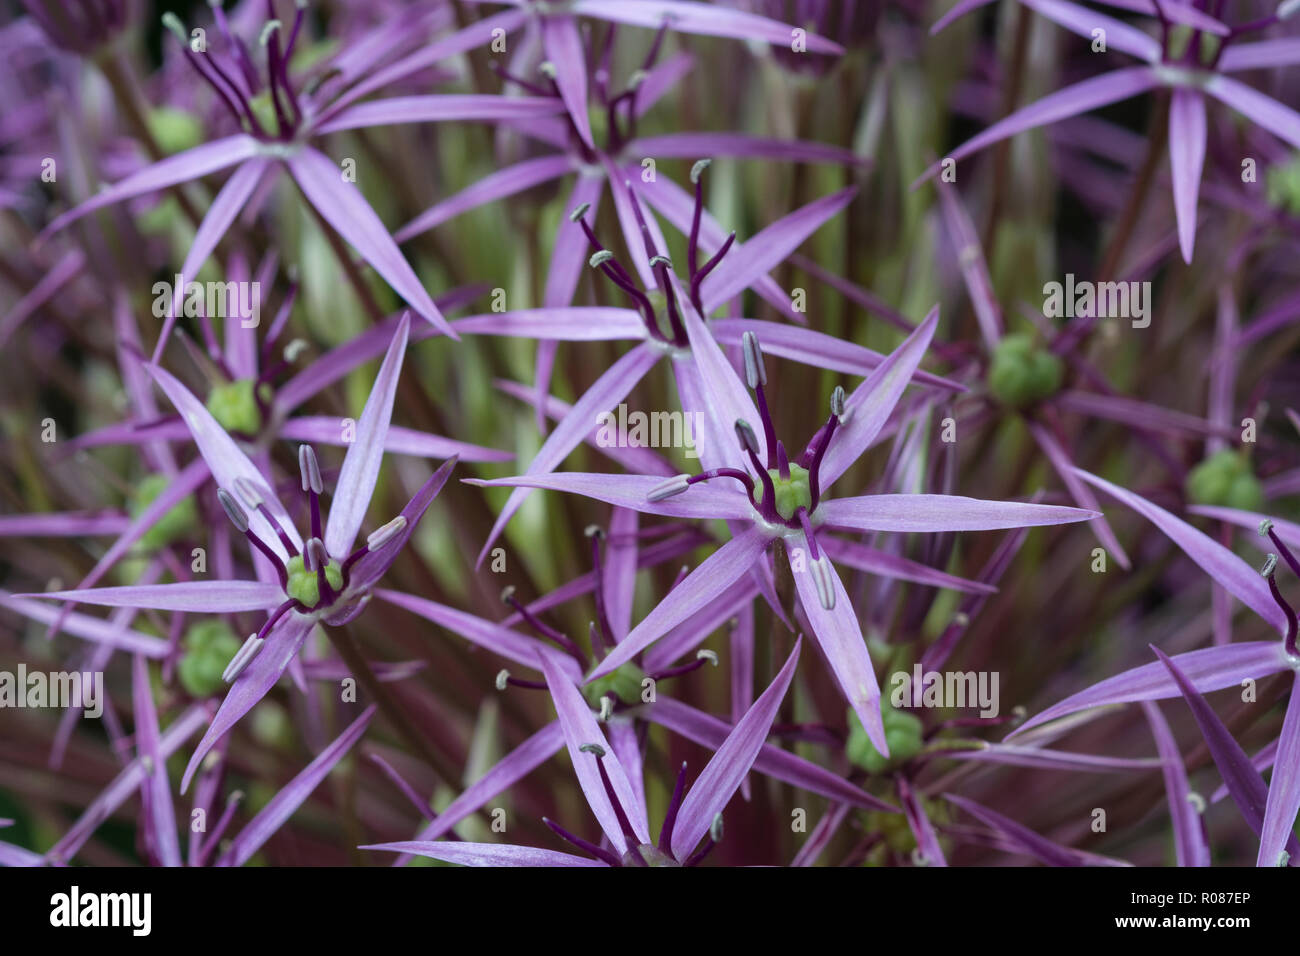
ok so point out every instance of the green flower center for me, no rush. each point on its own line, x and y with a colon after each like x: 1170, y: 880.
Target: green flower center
x: 790, y: 493
x: 209, y: 646
x: 1022, y: 374
x: 174, y: 524
x: 303, y: 586
x: 902, y: 734
x: 624, y: 683
x: 174, y: 130
x: 234, y: 405
x: 652, y: 855
x: 1226, y: 480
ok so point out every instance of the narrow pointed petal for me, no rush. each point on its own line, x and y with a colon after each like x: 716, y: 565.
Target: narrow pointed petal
x: 509, y: 770
x: 375, y: 565
x: 1029, y: 842
x: 93, y: 629
x: 1245, y: 785
x: 1284, y: 787
x: 462, y: 108
x: 839, y: 634
x: 610, y: 389
x: 709, y: 731
x: 499, y: 185
x: 225, y: 207
x: 1080, y: 492
x: 1214, y: 559
x: 1110, y: 87
x: 1282, y: 121
x: 200, y: 597
x: 343, y: 206
x: 721, y: 776
x: 621, y: 551
x: 686, y: 16
x: 702, y: 586
x: 818, y: 349
x: 875, y: 561
x: 1261, y: 55
x: 933, y: 513
x: 1186, y: 159
x: 1189, y: 834
x: 324, y: 430
x: 360, y: 471
x: 502, y: 641
x: 282, y: 645
x: 704, y: 500
x: 870, y: 404
x: 156, y: 790
x: 927, y: 841
x: 181, y: 168
x: 281, y: 807
x: 485, y: 854
x: 227, y: 461
x: 126, y: 783
x: 767, y: 249
x: 580, y: 728
x: 1209, y: 669
x: 564, y: 52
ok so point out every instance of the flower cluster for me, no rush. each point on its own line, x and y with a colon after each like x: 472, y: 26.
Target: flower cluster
x: 551, y: 416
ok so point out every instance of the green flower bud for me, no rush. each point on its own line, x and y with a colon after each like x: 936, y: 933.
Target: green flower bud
x: 209, y: 646
x: 902, y: 733
x: 234, y: 405
x: 1225, y: 479
x: 176, y: 523
x: 1022, y: 374
x: 624, y: 683
x: 303, y: 585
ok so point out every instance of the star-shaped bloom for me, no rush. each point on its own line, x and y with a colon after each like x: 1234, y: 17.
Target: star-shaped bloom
x: 322, y: 580
x: 279, y: 120
x: 1194, y: 62
x: 619, y: 809
x: 770, y: 497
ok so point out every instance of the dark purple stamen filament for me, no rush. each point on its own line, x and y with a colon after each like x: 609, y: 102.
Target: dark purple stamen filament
x: 598, y: 852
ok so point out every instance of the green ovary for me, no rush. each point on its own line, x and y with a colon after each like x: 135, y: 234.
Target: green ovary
x: 902, y: 734
x: 1022, y: 374
x: 624, y: 683
x: 790, y: 492
x: 303, y: 586
x: 209, y: 646
x: 174, y: 524
x: 234, y: 405
x: 1225, y: 479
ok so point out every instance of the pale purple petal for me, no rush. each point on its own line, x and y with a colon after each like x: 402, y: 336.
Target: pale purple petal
x: 499, y: 185
x: 346, y: 210
x: 721, y: 776
x: 702, y: 586
x: 1189, y: 833
x: 685, y: 16
x: 1186, y: 159
x: 927, y: 841
x: 580, y: 728
x: 563, y: 45
x: 717, y: 499
x: 875, y: 561
x: 1281, y: 121
x: 1218, y: 562
x: 281, y: 806
x: 934, y: 513
x: 356, y: 482
x: 580, y: 323
x: 462, y: 108
x: 485, y: 854
x: 201, y: 597
x: 93, y: 629
x: 156, y: 788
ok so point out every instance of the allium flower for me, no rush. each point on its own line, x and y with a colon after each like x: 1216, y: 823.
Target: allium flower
x: 278, y: 120
x: 322, y: 580
x: 782, y: 500
x: 692, y: 815
x: 1192, y: 60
